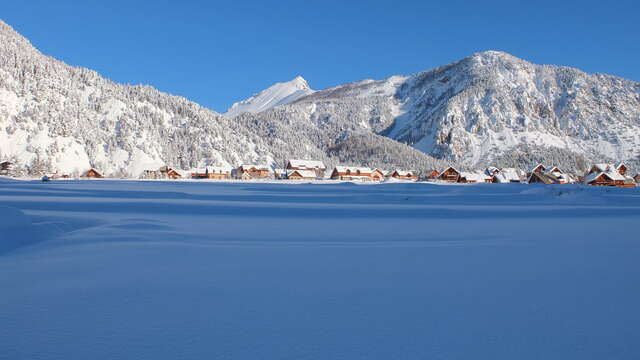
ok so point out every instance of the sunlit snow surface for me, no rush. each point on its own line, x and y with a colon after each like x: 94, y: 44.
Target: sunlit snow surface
x: 184, y: 270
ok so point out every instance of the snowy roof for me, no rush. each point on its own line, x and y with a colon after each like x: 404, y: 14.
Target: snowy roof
x: 474, y: 176
x: 603, y: 167
x: 452, y: 168
x: 404, y: 172
x: 535, y: 167
x: 553, y: 169
x: 613, y: 175
x: 492, y: 170
x: 303, y: 173
x: 508, y: 175
x: 621, y: 165
x: 544, y: 177
x: 308, y: 164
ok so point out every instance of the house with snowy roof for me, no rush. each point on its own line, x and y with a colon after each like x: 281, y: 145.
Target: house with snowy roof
x: 92, y: 174
x: 539, y: 168
x: 449, y: 174
x: 356, y: 173
x: 403, y: 175
x: 507, y: 175
x: 608, y: 175
x: 431, y: 174
x: 536, y: 177
x: 473, y: 177
x: 252, y: 171
x: 167, y: 172
x: 622, y: 169
x: 314, y: 165
x: 301, y: 175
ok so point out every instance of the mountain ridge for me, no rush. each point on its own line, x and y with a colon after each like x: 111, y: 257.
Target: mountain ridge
x: 490, y: 107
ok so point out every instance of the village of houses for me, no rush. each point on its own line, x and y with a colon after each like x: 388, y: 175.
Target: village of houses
x: 311, y: 170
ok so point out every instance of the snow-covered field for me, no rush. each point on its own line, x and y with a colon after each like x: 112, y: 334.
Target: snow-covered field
x: 186, y: 270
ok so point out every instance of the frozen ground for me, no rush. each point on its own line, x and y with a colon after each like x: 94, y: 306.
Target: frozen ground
x: 184, y: 270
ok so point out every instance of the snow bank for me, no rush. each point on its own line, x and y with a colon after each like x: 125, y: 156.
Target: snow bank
x: 167, y: 270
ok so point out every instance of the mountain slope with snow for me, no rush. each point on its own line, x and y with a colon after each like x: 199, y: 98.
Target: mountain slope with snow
x: 489, y: 108
x: 487, y: 105
x: 64, y: 119
x: 277, y: 94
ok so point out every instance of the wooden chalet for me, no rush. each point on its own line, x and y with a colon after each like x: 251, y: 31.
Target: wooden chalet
x: 608, y: 175
x: 169, y: 173
x: 432, y: 174
x: 92, y: 174
x: 542, y: 178
x: 506, y: 175
x: 536, y: 169
x: 609, y: 179
x: 377, y: 175
x: 218, y: 173
x: 404, y: 175
x: 598, y: 168
x: 449, y: 174
x: 554, y: 169
x: 313, y: 165
x: 250, y: 171
x: 622, y: 169
x: 637, y: 178
x: 356, y: 173
x: 301, y: 175
x: 470, y: 178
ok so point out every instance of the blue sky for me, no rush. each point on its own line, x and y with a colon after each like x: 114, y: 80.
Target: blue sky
x: 219, y: 52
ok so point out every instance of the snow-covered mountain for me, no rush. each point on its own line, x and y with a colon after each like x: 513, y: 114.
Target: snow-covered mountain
x: 484, y: 108
x: 489, y: 108
x: 277, y: 94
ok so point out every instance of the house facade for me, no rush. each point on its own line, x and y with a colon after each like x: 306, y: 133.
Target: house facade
x: 352, y: 173
x: 92, y: 174
x: 251, y: 171
x: 537, y: 169
x: 471, y: 177
x: 542, y: 178
x: 301, y: 175
x: 608, y: 175
x: 312, y: 165
x: 506, y: 175
x: 403, y: 175
x: 217, y: 173
x: 431, y: 174
x: 449, y: 174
